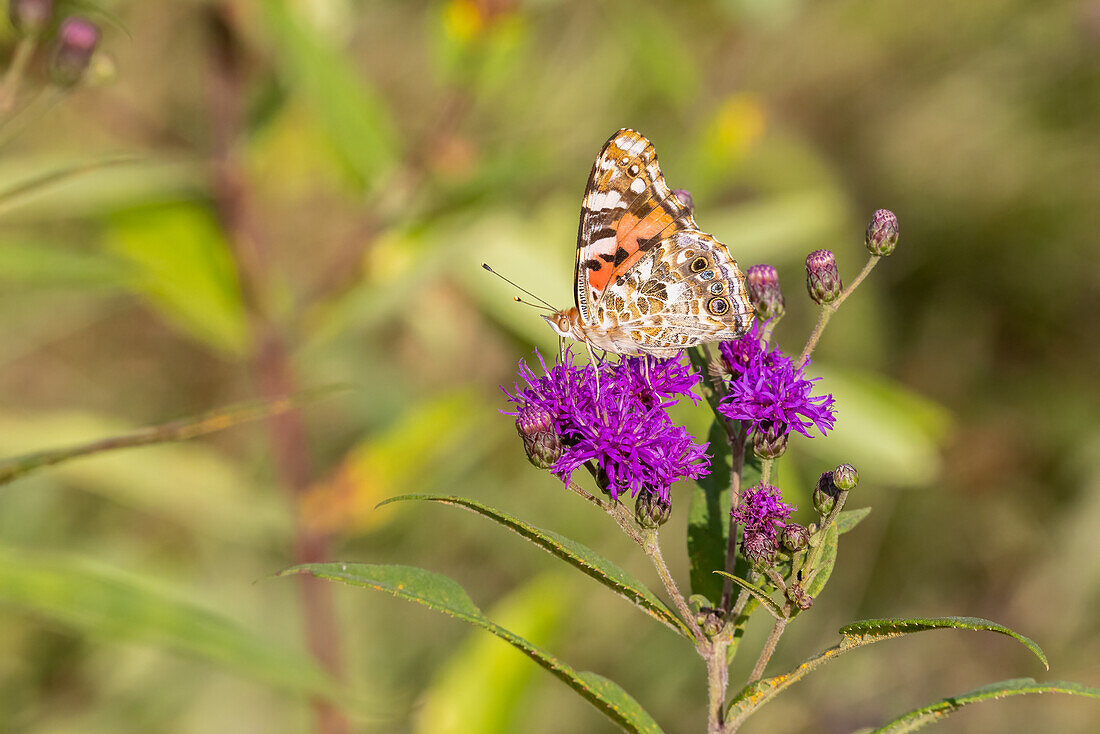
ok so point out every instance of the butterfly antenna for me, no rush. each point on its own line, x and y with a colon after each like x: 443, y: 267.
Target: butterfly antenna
x: 517, y: 299
x: 523, y: 290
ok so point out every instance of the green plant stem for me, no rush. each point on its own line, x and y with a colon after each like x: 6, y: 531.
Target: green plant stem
x: 737, y: 454
x: 828, y: 309
x: 9, y: 88
x: 769, y: 646
x: 652, y: 548
x: 717, y: 682
x: 43, y: 102
x: 815, y: 552
x: 766, y: 470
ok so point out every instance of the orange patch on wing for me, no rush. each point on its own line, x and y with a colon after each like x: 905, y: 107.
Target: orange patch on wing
x: 631, y: 229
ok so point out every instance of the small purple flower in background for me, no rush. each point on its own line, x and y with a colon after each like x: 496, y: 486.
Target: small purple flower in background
x: 762, y: 511
x: 769, y: 392
x: 626, y: 433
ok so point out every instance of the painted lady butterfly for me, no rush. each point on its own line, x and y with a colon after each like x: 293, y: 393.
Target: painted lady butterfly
x: 648, y: 281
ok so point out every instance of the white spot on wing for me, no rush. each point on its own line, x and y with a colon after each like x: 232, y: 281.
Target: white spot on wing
x: 637, y: 186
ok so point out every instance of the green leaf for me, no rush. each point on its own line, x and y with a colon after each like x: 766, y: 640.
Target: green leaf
x: 353, y: 114
x: 16, y: 193
x: 106, y: 603
x: 482, y: 687
x: 181, y: 262
x: 40, y: 264
x: 708, y: 519
x: 825, y: 562
x: 577, y: 555
x: 874, y: 629
x: 756, y: 591
x: 858, y: 634
x: 848, y: 519
x: 930, y: 714
x: 445, y: 595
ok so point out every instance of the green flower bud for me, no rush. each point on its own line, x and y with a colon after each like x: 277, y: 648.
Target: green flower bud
x: 825, y: 494
x: 540, y: 436
x: 822, y: 277
x: 769, y: 443
x: 845, y: 477
x: 762, y: 283
x: 76, y: 42
x: 798, y: 596
x: 685, y: 199
x: 650, y: 511
x: 30, y: 17
x: 794, y: 537
x: 759, y: 550
x: 882, y: 233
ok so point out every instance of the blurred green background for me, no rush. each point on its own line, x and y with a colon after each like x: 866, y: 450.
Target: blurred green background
x: 280, y: 194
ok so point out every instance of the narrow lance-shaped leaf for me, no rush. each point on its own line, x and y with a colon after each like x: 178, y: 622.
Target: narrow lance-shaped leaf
x: 708, y: 519
x: 919, y: 718
x: 848, y: 519
x: 444, y: 595
x: 575, y: 554
x: 858, y: 634
x: 180, y: 430
x: 756, y: 591
x: 17, y: 193
x: 825, y: 562
x: 105, y: 603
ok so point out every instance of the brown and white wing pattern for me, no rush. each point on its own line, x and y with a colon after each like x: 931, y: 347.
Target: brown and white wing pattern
x: 627, y: 210
x: 687, y: 290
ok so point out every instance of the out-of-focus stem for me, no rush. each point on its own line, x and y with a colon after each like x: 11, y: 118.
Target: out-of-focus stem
x: 271, y: 360
x: 737, y: 451
x: 717, y: 682
x: 9, y: 88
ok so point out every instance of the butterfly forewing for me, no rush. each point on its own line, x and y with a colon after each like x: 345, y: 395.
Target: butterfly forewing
x: 627, y: 209
x: 648, y: 281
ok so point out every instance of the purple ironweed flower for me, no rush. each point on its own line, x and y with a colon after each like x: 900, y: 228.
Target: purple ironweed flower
x: 76, y: 41
x: 626, y: 433
x: 769, y: 392
x: 762, y: 511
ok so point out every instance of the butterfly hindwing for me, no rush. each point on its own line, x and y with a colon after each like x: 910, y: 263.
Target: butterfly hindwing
x: 686, y: 290
x: 627, y: 210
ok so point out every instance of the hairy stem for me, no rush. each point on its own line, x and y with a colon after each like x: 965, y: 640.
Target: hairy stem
x: 9, y: 88
x: 828, y: 309
x: 652, y: 548
x: 766, y: 470
x: 717, y: 682
x: 769, y: 647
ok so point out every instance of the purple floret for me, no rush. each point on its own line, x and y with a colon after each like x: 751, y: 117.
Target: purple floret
x: 766, y: 390
x: 626, y: 433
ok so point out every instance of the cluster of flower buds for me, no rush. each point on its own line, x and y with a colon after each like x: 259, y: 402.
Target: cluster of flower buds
x: 831, y: 484
x: 798, y: 596
x: 651, y: 511
x: 30, y: 17
x: 763, y: 286
x: 540, y: 436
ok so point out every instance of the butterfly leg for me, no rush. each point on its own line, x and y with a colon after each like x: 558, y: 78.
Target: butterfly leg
x: 595, y: 367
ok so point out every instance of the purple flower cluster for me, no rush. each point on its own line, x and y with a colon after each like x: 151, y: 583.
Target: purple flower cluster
x: 624, y: 431
x: 766, y: 390
x: 762, y: 511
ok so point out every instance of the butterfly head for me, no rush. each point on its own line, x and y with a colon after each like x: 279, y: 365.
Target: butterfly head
x: 565, y: 323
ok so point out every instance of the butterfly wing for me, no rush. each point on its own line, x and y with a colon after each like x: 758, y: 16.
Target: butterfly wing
x: 627, y: 209
x: 687, y: 290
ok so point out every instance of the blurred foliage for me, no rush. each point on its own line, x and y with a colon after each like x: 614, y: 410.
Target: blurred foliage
x: 382, y: 152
